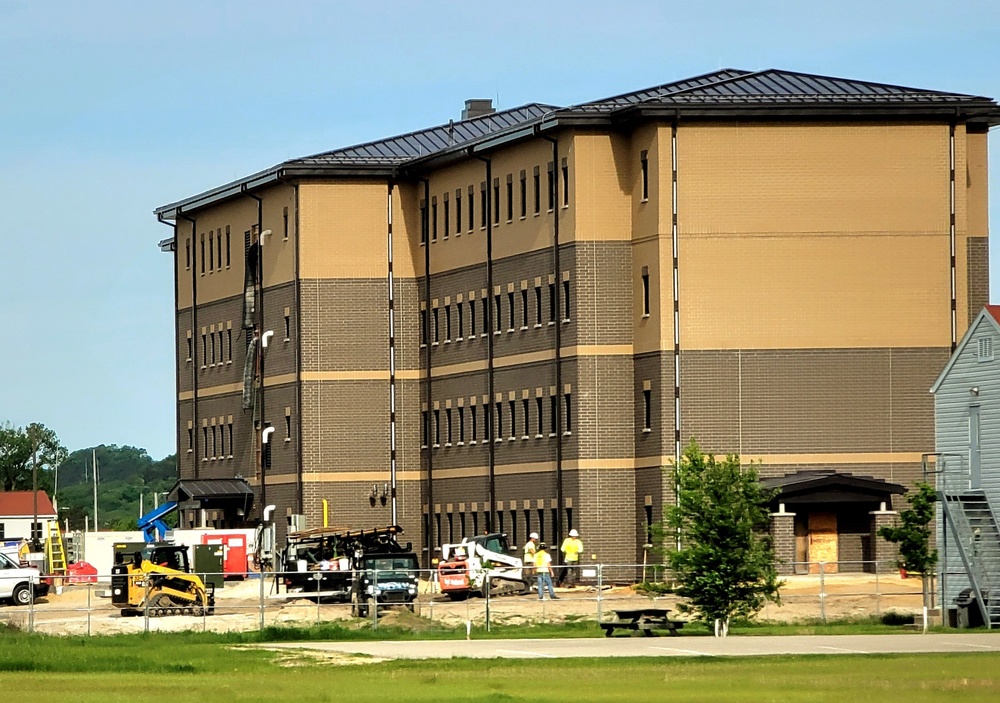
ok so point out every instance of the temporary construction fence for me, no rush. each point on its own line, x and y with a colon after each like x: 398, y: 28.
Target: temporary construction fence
x: 257, y: 601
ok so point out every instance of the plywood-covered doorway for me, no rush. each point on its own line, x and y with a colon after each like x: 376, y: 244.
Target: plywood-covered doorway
x: 823, y: 541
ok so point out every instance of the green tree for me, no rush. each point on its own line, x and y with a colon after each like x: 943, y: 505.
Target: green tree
x: 724, y: 565
x: 913, y: 534
x: 19, y: 446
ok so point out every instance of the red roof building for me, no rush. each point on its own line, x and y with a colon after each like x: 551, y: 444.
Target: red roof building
x: 20, y: 504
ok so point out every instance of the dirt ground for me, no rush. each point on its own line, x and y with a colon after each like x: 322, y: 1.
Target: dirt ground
x: 81, y: 609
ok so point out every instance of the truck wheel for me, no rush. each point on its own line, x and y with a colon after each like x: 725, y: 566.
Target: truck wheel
x: 21, y: 595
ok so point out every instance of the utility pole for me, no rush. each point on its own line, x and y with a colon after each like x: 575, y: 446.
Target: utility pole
x: 94, y: 454
x: 34, y: 484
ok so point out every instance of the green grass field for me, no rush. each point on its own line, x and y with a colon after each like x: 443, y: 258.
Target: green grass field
x: 217, y: 668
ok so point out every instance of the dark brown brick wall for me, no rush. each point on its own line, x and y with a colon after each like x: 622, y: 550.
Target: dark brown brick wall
x: 783, y: 539
x: 606, y: 515
x: 345, y: 324
x: 345, y: 426
x: 978, y: 268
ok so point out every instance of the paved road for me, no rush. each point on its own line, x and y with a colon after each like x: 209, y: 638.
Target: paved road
x: 662, y: 646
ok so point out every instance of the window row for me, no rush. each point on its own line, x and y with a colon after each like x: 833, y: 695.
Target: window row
x: 515, y: 419
x: 513, y: 310
x: 213, y: 244
x: 449, y: 213
x: 216, y: 440
x: 453, y: 525
x: 216, y: 345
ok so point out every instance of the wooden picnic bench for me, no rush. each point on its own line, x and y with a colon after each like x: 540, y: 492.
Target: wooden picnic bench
x: 647, y: 620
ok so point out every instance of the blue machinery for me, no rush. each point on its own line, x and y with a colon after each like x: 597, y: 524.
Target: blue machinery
x: 152, y: 525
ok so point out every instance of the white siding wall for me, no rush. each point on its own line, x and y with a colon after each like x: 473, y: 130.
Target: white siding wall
x: 18, y: 527
x: 951, y: 428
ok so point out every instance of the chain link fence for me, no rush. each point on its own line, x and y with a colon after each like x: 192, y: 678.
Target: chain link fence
x: 829, y: 591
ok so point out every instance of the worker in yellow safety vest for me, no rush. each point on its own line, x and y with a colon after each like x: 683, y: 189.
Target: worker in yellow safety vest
x: 530, y: 547
x: 571, y: 549
x: 543, y: 565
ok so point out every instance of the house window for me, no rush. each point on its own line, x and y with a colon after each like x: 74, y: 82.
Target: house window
x: 645, y: 292
x: 437, y: 427
x: 644, y: 164
x: 568, y: 398
x: 538, y: 413
x: 510, y: 311
x: 458, y: 211
x: 984, y: 349
x: 423, y: 222
x: 524, y: 308
x: 187, y: 252
x: 565, y: 301
x: 510, y: 197
x: 513, y: 419
x: 36, y: 532
x: 434, y: 219
x: 447, y: 216
x: 472, y: 207
x: 524, y: 194
x: 565, y: 182
x: 229, y: 240
x: 647, y: 406
x: 425, y: 428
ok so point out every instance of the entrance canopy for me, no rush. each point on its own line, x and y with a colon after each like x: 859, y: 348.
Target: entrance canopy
x: 220, y: 493
x: 828, y: 486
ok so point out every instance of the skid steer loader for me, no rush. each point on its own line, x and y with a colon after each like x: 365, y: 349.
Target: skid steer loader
x: 159, y: 580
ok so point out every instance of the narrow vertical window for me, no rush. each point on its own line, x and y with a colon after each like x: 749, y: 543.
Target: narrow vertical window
x: 552, y: 303
x: 566, y: 306
x: 458, y: 211
x: 288, y: 327
x: 647, y: 409
x: 536, y: 182
x: 218, y: 246
x: 565, y: 182
x: 204, y: 351
x: 483, y: 206
x: 538, y: 306
x: 524, y: 194
x: 458, y: 320
x: 472, y: 208
x: 191, y: 439
x: 284, y: 223
x: 498, y: 312
x: 645, y: 291
x: 513, y: 419
x: 554, y: 413
x: 447, y: 323
x: 486, y: 313
x: 552, y: 186
x: 229, y: 248
x: 434, y: 219
x: 211, y: 250
x: 447, y: 217
x: 203, y: 252
x: 425, y: 428
x: 447, y: 415
x: 461, y: 424
x: 510, y: 197
x: 473, y: 418
x: 211, y: 346
x: 472, y: 318
x: 229, y: 343
x: 204, y: 442
x: 423, y: 222
x: 538, y: 415
x: 568, y: 398
x: 499, y: 426
x: 437, y: 325
x: 423, y: 327
x: 496, y: 201
x: 487, y: 423
x: 229, y: 429
x: 524, y: 308
x: 288, y: 426
x: 510, y: 311
x: 215, y: 434
x: 190, y: 342
x: 437, y: 427
x: 513, y: 527
x: 526, y: 407
x: 187, y: 251
x: 644, y: 166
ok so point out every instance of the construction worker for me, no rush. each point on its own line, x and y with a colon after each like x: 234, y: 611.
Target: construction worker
x: 571, y: 549
x: 543, y: 569
x: 529, y: 554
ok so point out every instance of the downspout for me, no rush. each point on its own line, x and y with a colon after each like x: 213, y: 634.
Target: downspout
x: 298, y: 353
x: 392, y: 362
x: 425, y: 225
x: 951, y: 233
x: 260, y: 337
x: 675, y: 250
x: 177, y: 332
x: 497, y: 431
x: 194, y: 341
x: 560, y: 498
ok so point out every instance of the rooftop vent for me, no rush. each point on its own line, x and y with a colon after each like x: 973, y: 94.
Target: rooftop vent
x: 477, y: 108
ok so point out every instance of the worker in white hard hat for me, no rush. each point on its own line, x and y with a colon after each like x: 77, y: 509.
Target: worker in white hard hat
x: 571, y: 549
x: 530, y: 547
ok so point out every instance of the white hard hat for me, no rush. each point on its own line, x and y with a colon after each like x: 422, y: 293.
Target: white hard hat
x: 574, y: 533
x: 533, y: 535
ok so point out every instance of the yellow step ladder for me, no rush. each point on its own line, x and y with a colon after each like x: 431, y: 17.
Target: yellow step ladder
x: 55, y: 551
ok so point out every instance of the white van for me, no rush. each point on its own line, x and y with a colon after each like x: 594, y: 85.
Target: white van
x: 18, y: 583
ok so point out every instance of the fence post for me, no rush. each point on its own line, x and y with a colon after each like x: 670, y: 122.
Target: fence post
x: 261, y: 602
x: 600, y: 589
x: 375, y: 599
x: 90, y: 590
x: 822, y: 591
x: 488, y: 589
x: 31, y: 607
x: 878, y: 593
x: 145, y: 606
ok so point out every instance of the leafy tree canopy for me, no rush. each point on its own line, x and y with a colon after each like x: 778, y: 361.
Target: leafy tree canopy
x: 19, y: 446
x: 724, y: 566
x: 913, y: 534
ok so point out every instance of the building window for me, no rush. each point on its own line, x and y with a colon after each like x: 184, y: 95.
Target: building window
x: 461, y: 424
x: 434, y: 219
x: 984, y: 349
x: 486, y: 319
x: 565, y: 182
x: 204, y: 351
x: 211, y: 250
x: 447, y: 216
x: 472, y: 207
x: 538, y: 306
x: 187, y: 252
x: 645, y: 292
x: 552, y: 186
x: 537, y: 187
x: 568, y: 398
x: 524, y: 194
x: 461, y: 522
x: 552, y: 303
x: 458, y: 320
x: 475, y: 523
x: 458, y: 211
x: 566, y: 317
x: 288, y: 327
x: 483, y: 205
x: 190, y: 342
x: 211, y: 344
x: 423, y: 327
x: 36, y: 532
x: 525, y: 406
x: 222, y: 442
x: 541, y: 524
x: 425, y: 428
x: 218, y: 245
x: 447, y: 323
x: 229, y: 249
x: 288, y: 425
x: 510, y: 311
x: 190, y: 439
x: 644, y: 164
x: 204, y: 443
x: 451, y: 528
x: 472, y: 318
x: 496, y: 201
x: 524, y: 308
x: 437, y: 427
x: 499, y: 412
x: 499, y: 320
x: 423, y: 222
x: 448, y: 436
x: 538, y: 414
x: 513, y: 527
x: 437, y: 325
x: 229, y: 429
x: 647, y: 410
x: 554, y: 413
x: 473, y: 417
x: 510, y: 197
x: 215, y: 449
x: 513, y: 419
x: 203, y: 252
x: 527, y: 521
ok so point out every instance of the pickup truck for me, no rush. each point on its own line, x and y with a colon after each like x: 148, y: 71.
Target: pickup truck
x: 20, y: 584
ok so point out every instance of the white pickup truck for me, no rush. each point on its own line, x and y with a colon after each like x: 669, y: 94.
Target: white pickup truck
x: 18, y: 583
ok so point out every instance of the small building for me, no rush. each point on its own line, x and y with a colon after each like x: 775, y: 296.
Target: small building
x: 966, y: 465
x: 17, y: 512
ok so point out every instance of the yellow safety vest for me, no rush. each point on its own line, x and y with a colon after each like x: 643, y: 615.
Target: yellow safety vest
x: 572, y: 548
x: 542, y: 562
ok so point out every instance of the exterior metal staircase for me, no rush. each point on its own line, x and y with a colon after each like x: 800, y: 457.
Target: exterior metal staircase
x: 972, y: 523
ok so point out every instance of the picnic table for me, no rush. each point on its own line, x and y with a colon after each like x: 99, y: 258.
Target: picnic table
x: 647, y: 620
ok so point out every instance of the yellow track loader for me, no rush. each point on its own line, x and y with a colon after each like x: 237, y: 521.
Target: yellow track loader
x: 159, y: 580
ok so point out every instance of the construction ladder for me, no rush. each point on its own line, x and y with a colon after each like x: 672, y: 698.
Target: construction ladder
x: 55, y: 551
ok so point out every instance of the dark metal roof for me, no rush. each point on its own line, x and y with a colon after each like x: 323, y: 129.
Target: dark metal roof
x: 211, y: 488
x: 815, y: 480
x: 729, y: 92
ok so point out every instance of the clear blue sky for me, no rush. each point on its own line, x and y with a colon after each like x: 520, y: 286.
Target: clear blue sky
x: 109, y: 109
